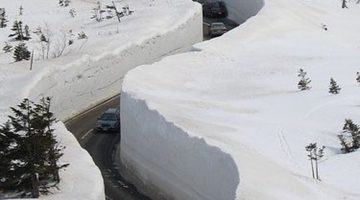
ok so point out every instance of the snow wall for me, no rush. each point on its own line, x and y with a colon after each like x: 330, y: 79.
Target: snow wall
x: 167, y: 162
x: 241, y: 10
x: 80, y: 85
x: 163, y: 160
x: 93, y: 79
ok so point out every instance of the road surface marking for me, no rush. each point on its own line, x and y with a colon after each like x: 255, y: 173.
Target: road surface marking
x: 86, y: 134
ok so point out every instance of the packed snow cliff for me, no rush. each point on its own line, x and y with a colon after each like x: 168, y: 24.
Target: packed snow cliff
x: 82, y: 61
x: 229, y: 122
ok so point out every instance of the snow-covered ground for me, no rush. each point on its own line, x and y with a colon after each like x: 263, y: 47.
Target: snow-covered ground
x: 228, y: 122
x: 91, y: 69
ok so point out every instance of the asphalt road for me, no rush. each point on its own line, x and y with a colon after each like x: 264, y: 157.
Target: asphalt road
x: 101, y: 147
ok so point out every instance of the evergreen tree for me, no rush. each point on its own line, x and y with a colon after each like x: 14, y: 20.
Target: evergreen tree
x: 43, y: 38
x: 18, y: 31
x: 358, y: 77
x: 72, y: 12
x: 82, y: 35
x: 304, y: 81
x: 64, y: 3
x: 21, y: 52
x: 334, y: 87
x: 350, y: 137
x: 3, y: 19
x: 7, y: 48
x: 31, y: 151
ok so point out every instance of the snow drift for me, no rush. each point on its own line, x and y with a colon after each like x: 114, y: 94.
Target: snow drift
x: 238, y: 94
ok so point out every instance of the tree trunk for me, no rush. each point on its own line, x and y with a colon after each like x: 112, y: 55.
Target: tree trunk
x: 312, y: 168
x: 317, y: 169
x: 35, y: 185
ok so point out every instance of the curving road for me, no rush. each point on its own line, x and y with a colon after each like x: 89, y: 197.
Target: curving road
x: 102, y: 148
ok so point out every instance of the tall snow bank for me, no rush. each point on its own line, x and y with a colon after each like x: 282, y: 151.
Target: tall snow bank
x: 169, y: 162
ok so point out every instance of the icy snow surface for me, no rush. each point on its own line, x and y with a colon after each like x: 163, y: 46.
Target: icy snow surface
x: 91, y: 69
x: 228, y: 122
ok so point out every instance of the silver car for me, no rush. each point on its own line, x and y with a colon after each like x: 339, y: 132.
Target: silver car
x: 217, y: 29
x: 109, y: 121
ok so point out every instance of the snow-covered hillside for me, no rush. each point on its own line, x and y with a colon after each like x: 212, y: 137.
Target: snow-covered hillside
x: 228, y: 121
x: 90, y: 69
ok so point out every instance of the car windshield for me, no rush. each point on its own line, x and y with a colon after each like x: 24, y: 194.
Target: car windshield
x: 108, y: 117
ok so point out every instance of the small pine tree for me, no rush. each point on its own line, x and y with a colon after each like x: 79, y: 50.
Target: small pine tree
x: 334, y: 88
x: 304, y: 81
x: 350, y: 137
x: 7, y: 48
x: 21, y: 52
x: 3, y: 19
x: 64, y: 3
x: 97, y: 12
x: 18, y: 31
x: 354, y: 130
x: 315, y: 154
x: 82, y: 35
x: 72, y: 12
x: 358, y: 77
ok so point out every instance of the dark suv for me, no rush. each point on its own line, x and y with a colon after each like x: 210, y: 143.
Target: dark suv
x: 109, y: 121
x: 214, y: 9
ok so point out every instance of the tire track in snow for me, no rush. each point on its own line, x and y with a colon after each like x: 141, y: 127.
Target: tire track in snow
x: 284, y: 144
